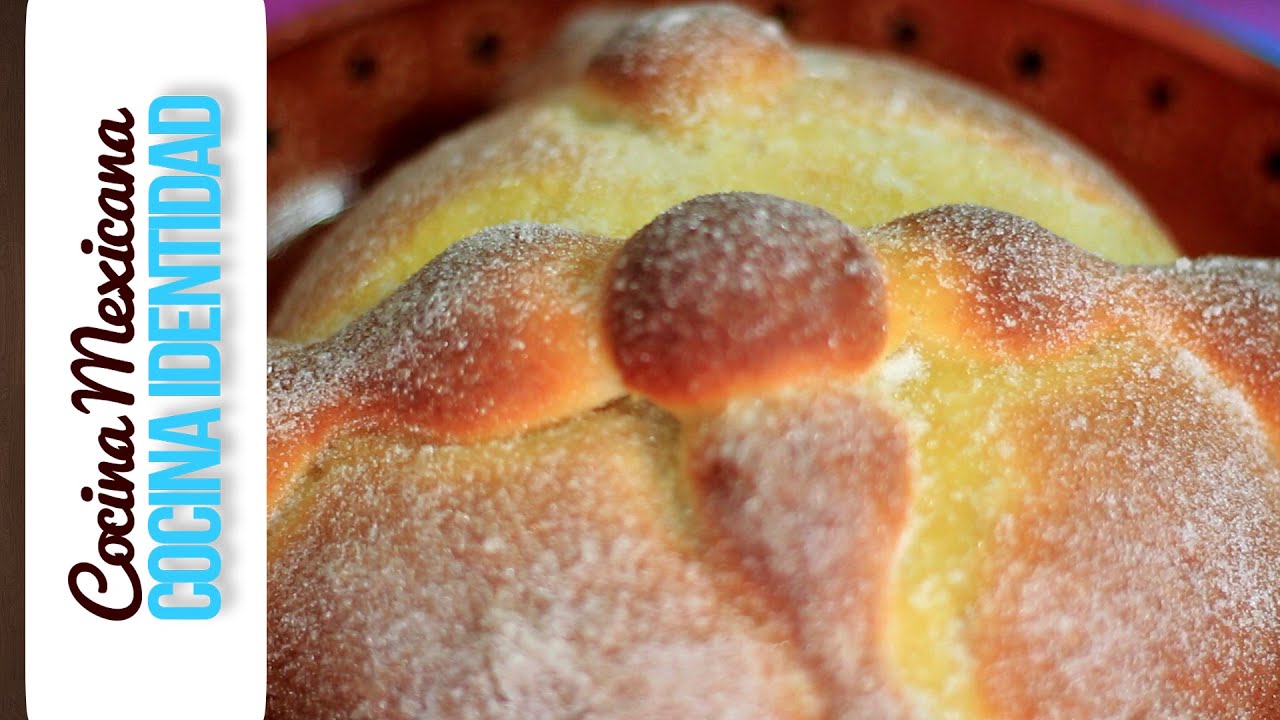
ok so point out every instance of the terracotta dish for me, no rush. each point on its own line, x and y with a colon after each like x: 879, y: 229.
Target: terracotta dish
x: 1190, y: 121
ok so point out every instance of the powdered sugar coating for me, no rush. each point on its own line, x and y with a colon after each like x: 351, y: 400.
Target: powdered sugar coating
x: 1228, y: 311
x: 499, y: 335
x: 1015, y: 289
x: 730, y: 294
x: 675, y: 66
x: 811, y: 494
x: 533, y: 579
x: 758, y: 530
x: 1140, y: 575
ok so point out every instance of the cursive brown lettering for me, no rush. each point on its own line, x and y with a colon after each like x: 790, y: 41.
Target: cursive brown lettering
x: 103, y: 611
x: 92, y: 344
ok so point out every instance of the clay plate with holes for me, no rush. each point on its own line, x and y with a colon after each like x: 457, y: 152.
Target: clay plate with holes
x: 1189, y: 121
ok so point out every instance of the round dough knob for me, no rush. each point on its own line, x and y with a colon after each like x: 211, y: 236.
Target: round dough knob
x: 677, y: 66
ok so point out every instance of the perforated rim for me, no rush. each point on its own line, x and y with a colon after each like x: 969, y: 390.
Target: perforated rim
x: 1190, y: 121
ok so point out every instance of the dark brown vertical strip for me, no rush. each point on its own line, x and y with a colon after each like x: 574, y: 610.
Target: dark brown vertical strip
x: 12, y: 21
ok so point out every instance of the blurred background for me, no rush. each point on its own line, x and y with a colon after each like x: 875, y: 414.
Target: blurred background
x: 1180, y: 97
x: 1253, y: 24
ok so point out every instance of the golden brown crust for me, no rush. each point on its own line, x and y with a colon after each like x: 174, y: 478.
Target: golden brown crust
x: 729, y: 295
x: 1103, y: 440
x: 999, y: 284
x: 563, y: 590
x: 497, y: 336
x: 675, y: 68
x: 1137, y: 578
x: 810, y: 497
x: 1228, y: 311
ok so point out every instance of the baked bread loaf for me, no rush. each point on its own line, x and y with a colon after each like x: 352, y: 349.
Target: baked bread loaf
x: 737, y: 458
x: 695, y: 100
x: 754, y: 463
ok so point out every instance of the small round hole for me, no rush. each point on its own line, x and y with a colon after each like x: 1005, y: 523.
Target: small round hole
x: 1029, y: 63
x: 1160, y: 95
x: 485, y: 48
x: 362, y: 67
x: 904, y: 33
x: 784, y: 13
x: 1271, y: 165
x: 272, y: 134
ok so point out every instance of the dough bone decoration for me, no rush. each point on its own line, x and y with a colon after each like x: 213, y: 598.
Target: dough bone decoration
x: 771, y: 451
